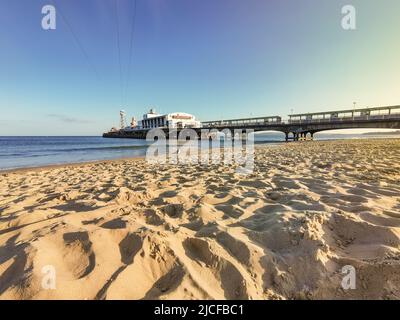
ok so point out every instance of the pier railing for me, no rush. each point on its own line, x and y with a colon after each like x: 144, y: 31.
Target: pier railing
x: 355, y: 115
x: 243, y: 122
x: 342, y: 119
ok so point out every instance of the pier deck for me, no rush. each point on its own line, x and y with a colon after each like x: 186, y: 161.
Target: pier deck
x: 297, y: 127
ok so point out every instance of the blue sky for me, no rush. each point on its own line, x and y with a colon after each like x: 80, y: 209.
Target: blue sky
x: 213, y: 58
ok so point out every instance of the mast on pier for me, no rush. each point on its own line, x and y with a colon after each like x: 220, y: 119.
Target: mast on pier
x: 122, y: 115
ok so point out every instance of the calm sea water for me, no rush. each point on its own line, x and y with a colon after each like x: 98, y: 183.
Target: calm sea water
x: 20, y: 152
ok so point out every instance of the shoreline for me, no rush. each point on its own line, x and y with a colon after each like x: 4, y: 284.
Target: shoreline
x: 142, y: 157
x: 68, y: 165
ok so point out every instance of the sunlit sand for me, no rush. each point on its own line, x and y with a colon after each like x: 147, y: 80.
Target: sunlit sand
x: 129, y: 230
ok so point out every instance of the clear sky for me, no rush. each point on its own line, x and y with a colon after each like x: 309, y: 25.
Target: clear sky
x: 213, y: 58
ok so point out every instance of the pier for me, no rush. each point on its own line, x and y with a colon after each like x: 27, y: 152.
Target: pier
x: 297, y: 126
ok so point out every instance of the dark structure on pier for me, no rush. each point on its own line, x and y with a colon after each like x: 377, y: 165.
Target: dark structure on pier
x: 298, y: 126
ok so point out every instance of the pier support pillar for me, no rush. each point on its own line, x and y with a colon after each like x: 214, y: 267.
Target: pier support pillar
x: 287, y: 136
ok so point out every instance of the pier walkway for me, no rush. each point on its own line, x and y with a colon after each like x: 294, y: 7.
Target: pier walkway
x: 297, y: 126
x: 305, y: 125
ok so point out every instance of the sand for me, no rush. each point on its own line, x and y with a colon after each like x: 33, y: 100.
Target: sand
x: 130, y: 230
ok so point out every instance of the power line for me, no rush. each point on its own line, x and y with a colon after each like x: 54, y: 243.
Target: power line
x: 132, y: 36
x: 78, y: 42
x: 119, y: 50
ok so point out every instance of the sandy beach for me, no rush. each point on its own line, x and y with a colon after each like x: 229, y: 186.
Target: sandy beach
x: 127, y: 229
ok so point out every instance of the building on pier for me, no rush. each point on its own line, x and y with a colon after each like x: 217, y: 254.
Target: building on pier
x: 177, y: 120
x: 152, y: 120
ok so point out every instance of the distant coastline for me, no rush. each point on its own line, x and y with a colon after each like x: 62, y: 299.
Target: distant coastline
x: 381, y: 133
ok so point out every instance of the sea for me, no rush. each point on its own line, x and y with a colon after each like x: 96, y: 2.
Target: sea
x: 26, y: 152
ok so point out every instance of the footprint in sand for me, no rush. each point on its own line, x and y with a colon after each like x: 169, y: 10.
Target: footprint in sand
x: 114, y: 224
x: 232, y: 281
x: 153, y: 218
x: 128, y: 248
x: 78, y: 254
x: 13, y: 263
x: 169, y: 282
x: 173, y: 210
